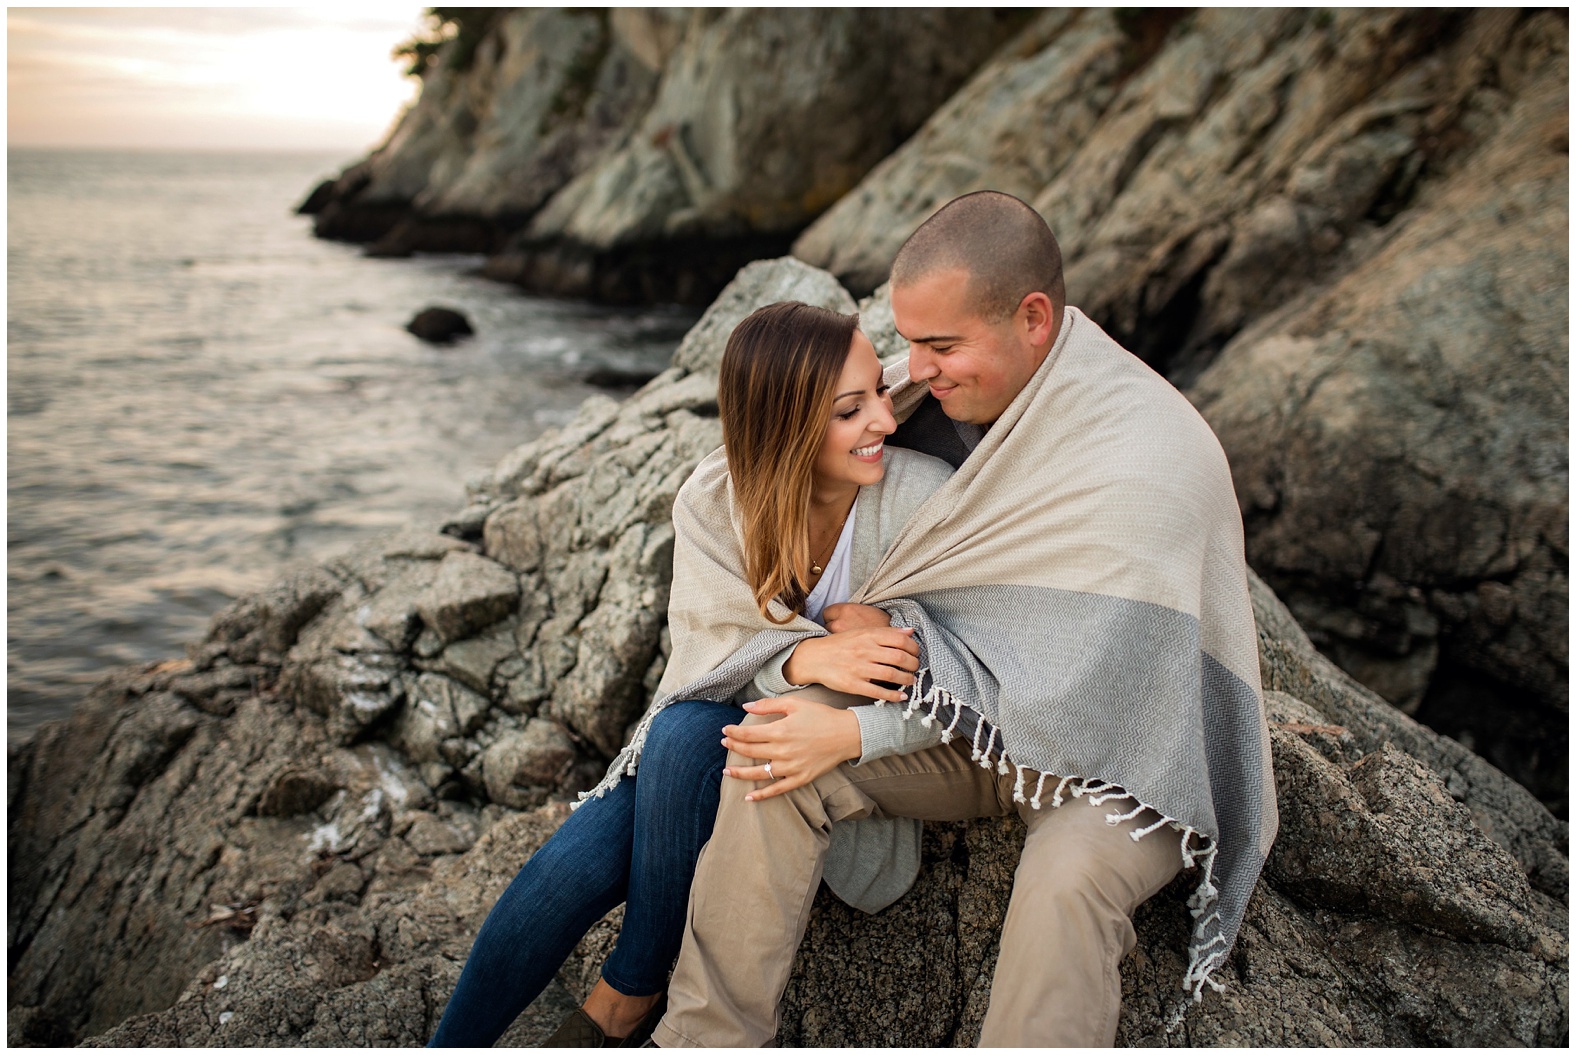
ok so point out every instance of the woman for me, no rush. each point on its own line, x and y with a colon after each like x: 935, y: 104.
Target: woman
x: 817, y: 498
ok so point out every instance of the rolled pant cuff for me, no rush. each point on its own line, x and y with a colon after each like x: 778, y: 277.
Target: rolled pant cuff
x: 665, y: 1036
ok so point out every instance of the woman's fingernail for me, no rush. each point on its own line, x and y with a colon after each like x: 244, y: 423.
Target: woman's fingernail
x: 749, y: 798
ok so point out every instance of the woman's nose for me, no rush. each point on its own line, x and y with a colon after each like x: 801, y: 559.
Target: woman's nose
x: 882, y: 421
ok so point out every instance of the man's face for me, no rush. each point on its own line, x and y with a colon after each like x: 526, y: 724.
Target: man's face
x: 974, y: 367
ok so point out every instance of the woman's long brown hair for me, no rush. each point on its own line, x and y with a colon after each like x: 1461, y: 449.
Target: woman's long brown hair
x: 774, y: 395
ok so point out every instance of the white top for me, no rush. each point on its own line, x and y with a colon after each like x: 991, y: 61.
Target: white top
x: 835, y: 584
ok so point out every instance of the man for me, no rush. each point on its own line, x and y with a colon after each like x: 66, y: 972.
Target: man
x: 1079, y: 594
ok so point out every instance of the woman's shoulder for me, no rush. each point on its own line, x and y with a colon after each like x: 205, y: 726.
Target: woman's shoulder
x: 705, y: 492
x: 708, y: 476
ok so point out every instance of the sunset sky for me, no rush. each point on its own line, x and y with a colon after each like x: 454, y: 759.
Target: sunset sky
x: 221, y: 78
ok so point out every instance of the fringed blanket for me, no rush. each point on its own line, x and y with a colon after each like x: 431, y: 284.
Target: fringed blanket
x: 1082, y: 605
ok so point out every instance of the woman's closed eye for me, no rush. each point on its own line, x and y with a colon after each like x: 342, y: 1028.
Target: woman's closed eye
x: 847, y: 415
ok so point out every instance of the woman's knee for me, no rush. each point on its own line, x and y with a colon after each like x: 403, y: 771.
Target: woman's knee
x: 687, y: 734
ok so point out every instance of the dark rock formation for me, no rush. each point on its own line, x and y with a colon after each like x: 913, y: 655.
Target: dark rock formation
x: 1360, y: 218
x: 646, y: 154
x: 292, y: 836
x: 439, y: 325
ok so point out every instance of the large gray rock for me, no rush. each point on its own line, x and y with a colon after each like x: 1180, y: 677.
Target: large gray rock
x: 186, y: 872
x: 1398, y: 441
x: 764, y: 117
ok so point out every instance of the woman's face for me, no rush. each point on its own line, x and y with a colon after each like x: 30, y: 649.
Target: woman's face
x: 861, y: 420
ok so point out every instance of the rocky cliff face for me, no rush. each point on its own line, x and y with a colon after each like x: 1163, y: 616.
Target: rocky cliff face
x: 1359, y: 218
x: 291, y: 836
x: 646, y: 154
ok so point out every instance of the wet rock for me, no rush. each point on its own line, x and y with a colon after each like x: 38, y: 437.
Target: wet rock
x: 439, y: 325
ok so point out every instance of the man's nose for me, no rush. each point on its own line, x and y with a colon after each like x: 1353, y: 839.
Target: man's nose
x: 921, y: 364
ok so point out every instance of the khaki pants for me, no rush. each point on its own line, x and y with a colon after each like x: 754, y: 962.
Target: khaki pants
x: 1068, y: 924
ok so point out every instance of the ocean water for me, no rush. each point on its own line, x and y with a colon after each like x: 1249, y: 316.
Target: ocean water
x: 200, y: 393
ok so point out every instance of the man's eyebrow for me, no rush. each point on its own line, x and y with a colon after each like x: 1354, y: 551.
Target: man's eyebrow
x: 945, y: 339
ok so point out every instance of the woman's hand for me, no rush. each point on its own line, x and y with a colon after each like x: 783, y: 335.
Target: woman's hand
x: 810, y: 739
x: 858, y: 662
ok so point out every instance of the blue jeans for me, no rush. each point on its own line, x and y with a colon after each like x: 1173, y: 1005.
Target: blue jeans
x: 637, y: 843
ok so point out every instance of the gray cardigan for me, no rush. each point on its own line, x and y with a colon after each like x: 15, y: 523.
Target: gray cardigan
x: 873, y: 861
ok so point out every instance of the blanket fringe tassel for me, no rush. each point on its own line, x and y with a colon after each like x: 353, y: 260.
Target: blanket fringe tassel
x: 1207, y: 950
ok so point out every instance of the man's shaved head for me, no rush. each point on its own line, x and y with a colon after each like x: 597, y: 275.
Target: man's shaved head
x: 1001, y: 242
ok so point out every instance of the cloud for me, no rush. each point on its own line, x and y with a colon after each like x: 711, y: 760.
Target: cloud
x: 206, y: 77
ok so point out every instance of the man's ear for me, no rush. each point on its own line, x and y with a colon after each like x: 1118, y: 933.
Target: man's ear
x: 1037, y: 315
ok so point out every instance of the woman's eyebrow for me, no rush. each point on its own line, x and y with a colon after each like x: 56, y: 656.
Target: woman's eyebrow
x: 855, y: 392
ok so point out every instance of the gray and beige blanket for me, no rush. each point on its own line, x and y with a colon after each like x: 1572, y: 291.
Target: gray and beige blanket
x: 1082, y: 605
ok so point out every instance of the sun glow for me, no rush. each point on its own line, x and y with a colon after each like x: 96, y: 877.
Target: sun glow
x: 206, y: 78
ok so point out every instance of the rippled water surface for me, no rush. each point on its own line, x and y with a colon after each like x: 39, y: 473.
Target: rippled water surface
x: 199, y: 392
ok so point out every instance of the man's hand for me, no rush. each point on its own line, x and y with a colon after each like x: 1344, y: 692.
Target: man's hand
x: 867, y: 662
x: 846, y: 616
x: 810, y: 739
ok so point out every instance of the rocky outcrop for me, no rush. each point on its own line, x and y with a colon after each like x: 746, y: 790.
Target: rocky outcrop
x: 291, y: 836
x: 499, y: 128
x: 1360, y: 218
x: 646, y: 154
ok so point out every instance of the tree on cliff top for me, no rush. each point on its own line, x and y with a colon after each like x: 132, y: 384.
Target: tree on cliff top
x: 463, y: 26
